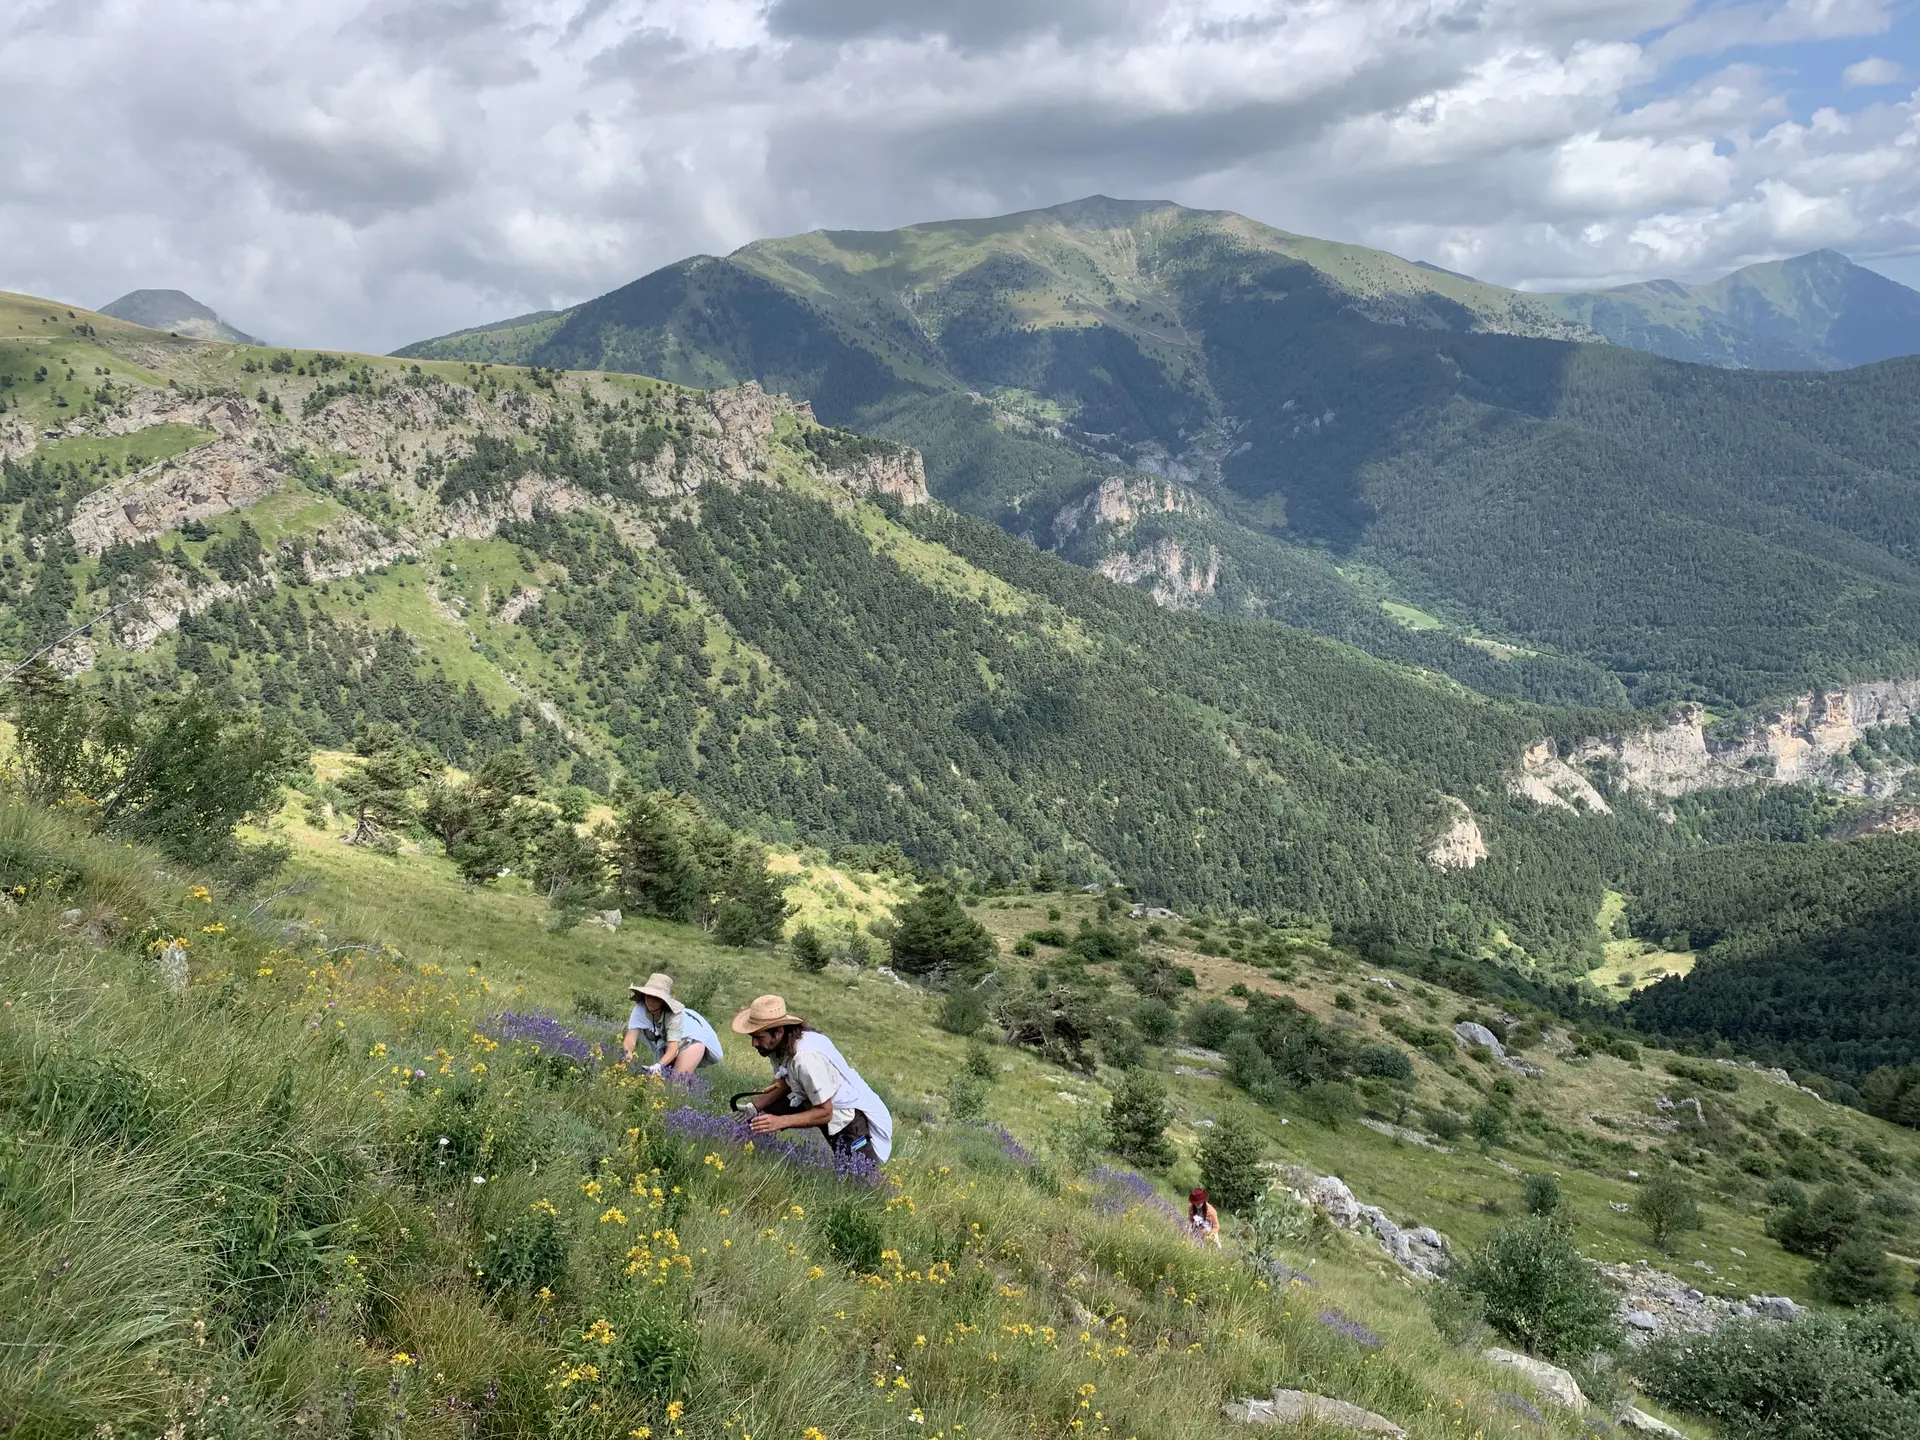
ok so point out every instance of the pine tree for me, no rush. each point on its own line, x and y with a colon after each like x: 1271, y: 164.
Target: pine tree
x: 1230, y: 1167
x: 809, y: 954
x: 1137, y: 1119
x: 936, y: 939
x: 658, y: 874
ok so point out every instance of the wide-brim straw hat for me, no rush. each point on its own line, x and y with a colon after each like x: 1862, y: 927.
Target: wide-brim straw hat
x: 763, y: 1014
x: 661, y: 988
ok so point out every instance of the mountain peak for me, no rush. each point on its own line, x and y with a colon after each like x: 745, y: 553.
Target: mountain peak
x: 175, y: 311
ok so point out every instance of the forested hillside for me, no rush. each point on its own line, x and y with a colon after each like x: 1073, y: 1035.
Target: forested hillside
x: 1343, y: 441
x: 713, y: 595
x: 1809, y: 954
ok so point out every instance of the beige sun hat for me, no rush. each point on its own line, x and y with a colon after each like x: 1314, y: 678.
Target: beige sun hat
x: 763, y: 1014
x: 661, y: 988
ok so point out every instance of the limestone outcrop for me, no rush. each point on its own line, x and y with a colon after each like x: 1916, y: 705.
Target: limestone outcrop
x: 1460, y: 846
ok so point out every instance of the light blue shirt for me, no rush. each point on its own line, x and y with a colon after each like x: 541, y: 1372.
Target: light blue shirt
x: 692, y: 1026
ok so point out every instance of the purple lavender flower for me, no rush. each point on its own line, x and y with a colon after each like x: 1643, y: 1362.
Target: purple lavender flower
x: 1352, y: 1329
x: 1520, y: 1407
x: 1009, y: 1146
x: 730, y: 1129
x: 544, y: 1033
x: 1125, y: 1189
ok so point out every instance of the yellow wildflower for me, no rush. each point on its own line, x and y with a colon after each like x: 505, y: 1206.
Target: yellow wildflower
x: 400, y: 1360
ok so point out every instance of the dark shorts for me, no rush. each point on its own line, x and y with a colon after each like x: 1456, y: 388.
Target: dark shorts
x: 855, y: 1138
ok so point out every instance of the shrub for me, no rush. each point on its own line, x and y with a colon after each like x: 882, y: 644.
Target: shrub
x: 809, y: 953
x: 1489, y: 1122
x: 1329, y: 1102
x: 962, y: 1011
x: 1857, y: 1273
x: 1538, y: 1291
x: 1212, y: 1024
x: 1230, y: 1167
x: 853, y: 1235
x: 1122, y: 1048
x: 1023, y: 947
x: 1079, y: 1139
x: 1250, y: 1069
x: 1137, y: 1119
x: 966, y: 1098
x: 1384, y: 1062
x: 1543, y: 1195
x: 1444, y: 1124
x: 529, y: 1251
x: 1156, y: 1021
x: 735, y: 925
x: 1815, y: 1227
x: 1830, y: 1376
x: 980, y: 1063
x: 1667, y: 1208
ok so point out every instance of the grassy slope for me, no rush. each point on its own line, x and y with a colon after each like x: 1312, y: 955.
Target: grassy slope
x: 413, y: 901
x: 119, y: 1303
x: 115, y: 1249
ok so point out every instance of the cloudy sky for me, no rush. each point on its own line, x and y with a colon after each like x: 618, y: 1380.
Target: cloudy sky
x: 362, y: 175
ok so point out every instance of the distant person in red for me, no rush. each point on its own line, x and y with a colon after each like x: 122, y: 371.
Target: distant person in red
x: 1203, y: 1221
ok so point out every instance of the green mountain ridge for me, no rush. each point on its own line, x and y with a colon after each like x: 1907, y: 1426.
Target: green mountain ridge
x: 1584, y: 523
x: 1817, y: 311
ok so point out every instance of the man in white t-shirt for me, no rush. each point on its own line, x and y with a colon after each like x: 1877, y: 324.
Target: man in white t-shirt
x: 814, y: 1088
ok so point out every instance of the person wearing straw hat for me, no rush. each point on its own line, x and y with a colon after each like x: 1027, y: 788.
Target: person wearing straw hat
x: 681, y: 1040
x: 814, y: 1088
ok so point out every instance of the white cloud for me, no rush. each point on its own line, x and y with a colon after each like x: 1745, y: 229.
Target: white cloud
x: 367, y: 173
x: 1873, y: 71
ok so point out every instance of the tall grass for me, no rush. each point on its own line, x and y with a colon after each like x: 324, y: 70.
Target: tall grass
x: 312, y: 1195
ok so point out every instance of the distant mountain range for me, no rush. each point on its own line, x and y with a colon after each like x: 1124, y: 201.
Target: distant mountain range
x: 1814, y: 312
x: 177, y: 312
x: 1242, y: 419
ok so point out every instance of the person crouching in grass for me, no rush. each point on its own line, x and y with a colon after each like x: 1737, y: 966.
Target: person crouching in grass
x: 814, y: 1088
x: 680, y: 1039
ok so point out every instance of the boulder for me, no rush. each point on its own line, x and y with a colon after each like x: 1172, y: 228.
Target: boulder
x: 1469, y: 1034
x: 1641, y: 1423
x: 172, y: 968
x: 1641, y: 1320
x: 1775, y: 1307
x: 605, y: 919
x: 1550, y: 1380
x: 1290, y: 1407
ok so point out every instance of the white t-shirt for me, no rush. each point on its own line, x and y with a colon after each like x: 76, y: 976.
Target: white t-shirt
x: 816, y: 1080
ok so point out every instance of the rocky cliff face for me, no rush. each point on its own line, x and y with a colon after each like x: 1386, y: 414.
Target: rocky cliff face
x: 1460, y: 846
x: 1110, y: 529
x: 1809, y: 740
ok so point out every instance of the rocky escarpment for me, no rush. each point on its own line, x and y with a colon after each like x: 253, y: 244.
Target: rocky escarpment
x: 1110, y: 529
x: 381, y: 446
x: 1813, y: 739
x: 1460, y: 846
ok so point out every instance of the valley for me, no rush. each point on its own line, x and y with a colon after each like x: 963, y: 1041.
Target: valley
x: 1308, y: 874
